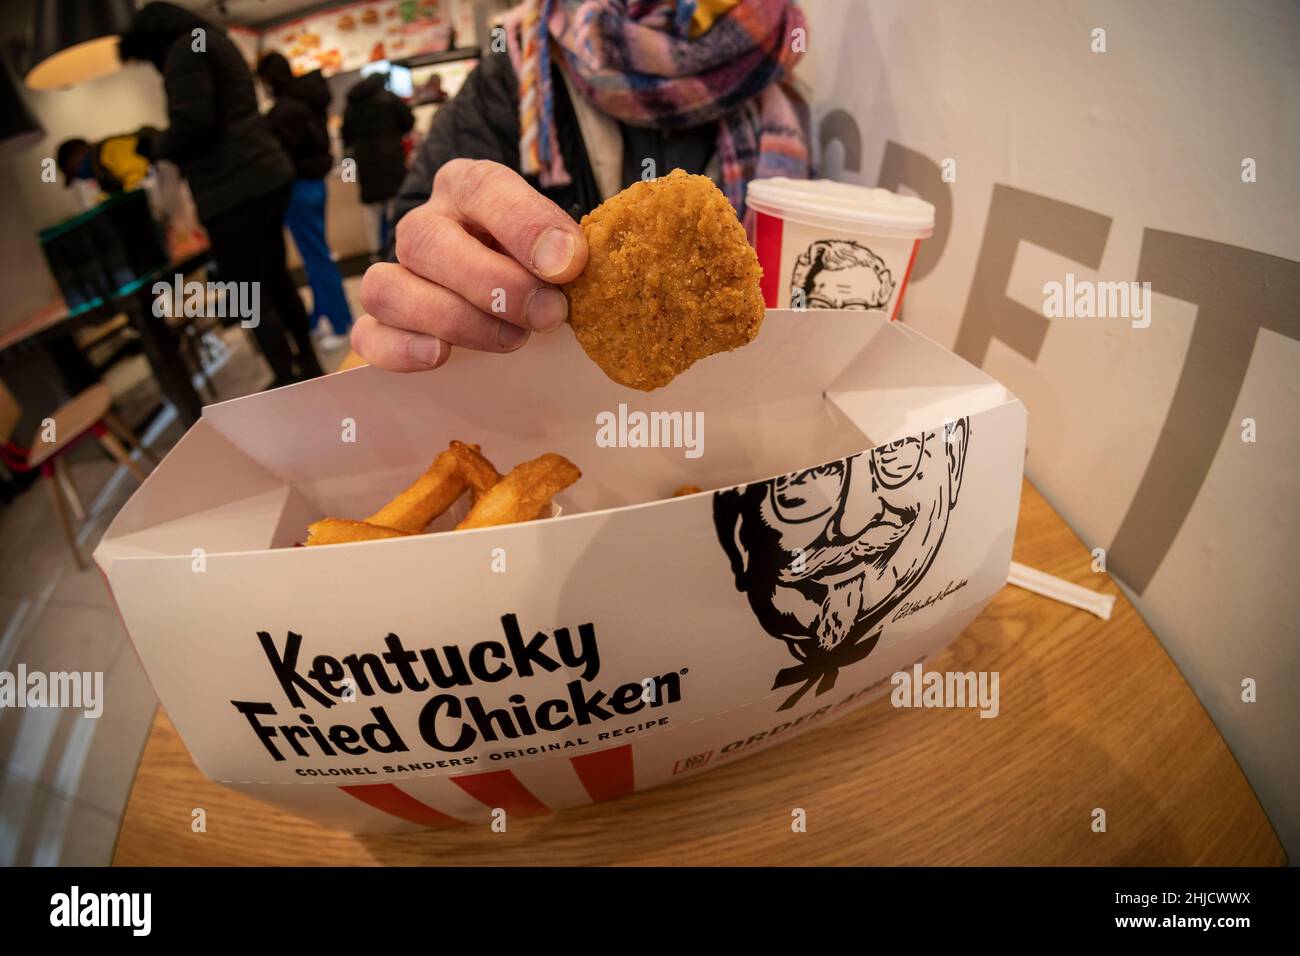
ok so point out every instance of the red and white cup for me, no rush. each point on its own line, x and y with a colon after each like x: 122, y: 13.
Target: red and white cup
x: 830, y: 245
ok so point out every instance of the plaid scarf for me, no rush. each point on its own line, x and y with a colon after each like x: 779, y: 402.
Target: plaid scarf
x: 637, y: 61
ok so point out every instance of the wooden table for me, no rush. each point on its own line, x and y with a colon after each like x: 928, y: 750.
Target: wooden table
x: 1093, y: 714
x: 51, y: 315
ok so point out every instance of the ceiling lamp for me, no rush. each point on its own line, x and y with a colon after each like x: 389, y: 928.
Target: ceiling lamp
x: 76, y: 41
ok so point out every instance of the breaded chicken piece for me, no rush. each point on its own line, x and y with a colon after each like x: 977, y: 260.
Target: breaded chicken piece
x: 670, y: 279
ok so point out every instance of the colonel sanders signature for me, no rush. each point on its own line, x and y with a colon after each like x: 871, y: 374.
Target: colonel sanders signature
x: 823, y: 555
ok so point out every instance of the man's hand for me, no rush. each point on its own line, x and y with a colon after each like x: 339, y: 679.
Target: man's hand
x: 474, y: 268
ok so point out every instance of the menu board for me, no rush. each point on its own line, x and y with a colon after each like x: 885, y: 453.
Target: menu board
x: 345, y: 38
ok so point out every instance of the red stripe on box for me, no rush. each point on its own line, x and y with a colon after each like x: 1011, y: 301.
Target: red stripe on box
x: 898, y: 303
x: 607, y: 773
x: 386, y: 797
x: 767, y: 243
x: 501, y: 788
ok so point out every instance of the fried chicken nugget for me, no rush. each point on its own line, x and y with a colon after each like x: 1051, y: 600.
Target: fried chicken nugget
x: 524, y: 493
x: 431, y: 494
x: 343, y: 531
x: 480, y: 473
x: 670, y: 279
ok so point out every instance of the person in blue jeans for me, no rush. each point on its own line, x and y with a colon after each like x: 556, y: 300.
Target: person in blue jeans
x: 298, y: 120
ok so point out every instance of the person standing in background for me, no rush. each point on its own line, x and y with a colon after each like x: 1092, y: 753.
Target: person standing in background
x: 431, y: 92
x: 373, y: 126
x: 237, y: 171
x: 298, y: 120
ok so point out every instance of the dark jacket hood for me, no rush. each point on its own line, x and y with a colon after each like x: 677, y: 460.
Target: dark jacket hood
x: 275, y: 71
x: 153, y: 30
x: 367, y: 88
x: 311, y: 88
x: 299, y: 117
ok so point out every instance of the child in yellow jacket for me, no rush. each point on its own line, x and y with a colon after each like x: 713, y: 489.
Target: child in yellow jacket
x: 115, y: 163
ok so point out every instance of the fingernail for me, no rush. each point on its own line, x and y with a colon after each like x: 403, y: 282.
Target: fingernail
x: 510, y: 337
x: 426, y: 349
x: 547, y: 309
x: 553, y: 252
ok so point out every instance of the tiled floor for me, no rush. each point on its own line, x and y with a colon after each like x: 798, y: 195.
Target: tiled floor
x: 65, y: 778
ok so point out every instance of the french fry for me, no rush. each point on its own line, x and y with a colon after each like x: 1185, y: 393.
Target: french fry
x: 521, y: 495
x: 431, y: 494
x: 524, y: 493
x: 480, y: 473
x: 343, y: 531
x: 686, y: 490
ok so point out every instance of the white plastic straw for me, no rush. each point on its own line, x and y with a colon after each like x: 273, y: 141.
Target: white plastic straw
x: 1063, y: 591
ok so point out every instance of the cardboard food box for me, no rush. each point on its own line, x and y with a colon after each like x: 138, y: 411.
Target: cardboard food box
x: 861, y: 493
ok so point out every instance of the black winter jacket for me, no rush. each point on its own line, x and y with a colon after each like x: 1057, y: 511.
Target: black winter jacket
x: 374, y: 123
x: 298, y: 119
x: 222, y: 144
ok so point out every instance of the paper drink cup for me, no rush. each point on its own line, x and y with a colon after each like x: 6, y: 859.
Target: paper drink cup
x: 830, y: 245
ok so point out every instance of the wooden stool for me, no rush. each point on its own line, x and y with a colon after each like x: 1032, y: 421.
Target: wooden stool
x: 89, y: 413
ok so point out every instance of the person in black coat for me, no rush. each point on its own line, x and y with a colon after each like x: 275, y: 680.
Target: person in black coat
x: 298, y: 119
x: 238, y: 173
x: 373, y: 126
x: 299, y: 115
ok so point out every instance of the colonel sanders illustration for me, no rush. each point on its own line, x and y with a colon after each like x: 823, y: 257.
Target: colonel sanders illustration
x: 839, y: 274
x: 825, y: 554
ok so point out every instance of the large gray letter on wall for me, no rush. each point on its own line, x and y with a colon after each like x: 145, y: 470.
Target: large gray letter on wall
x: 1238, y: 292
x: 1014, y: 214
x: 901, y: 166
x: 837, y: 126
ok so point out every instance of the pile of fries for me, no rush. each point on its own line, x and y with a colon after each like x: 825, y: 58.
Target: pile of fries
x: 522, y: 495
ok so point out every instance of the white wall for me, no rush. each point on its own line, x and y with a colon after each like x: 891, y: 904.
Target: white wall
x: 24, y: 275
x: 119, y: 103
x: 1150, y: 134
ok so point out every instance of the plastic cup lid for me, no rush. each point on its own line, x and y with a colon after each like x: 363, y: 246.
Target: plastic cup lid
x: 845, y: 206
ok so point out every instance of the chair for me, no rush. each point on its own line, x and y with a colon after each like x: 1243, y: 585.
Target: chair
x: 89, y: 413
x: 190, y: 338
